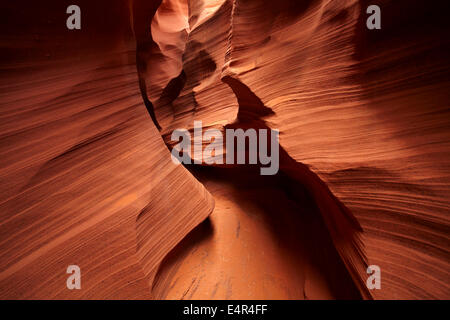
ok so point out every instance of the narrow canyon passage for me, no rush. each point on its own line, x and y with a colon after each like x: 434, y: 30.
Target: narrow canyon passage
x: 87, y: 180
x: 259, y: 243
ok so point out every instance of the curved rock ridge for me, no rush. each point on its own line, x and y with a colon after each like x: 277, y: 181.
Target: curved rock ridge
x: 85, y: 177
x: 365, y: 111
x: 86, y: 118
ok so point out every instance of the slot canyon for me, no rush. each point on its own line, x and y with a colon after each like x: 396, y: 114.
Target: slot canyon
x: 87, y: 178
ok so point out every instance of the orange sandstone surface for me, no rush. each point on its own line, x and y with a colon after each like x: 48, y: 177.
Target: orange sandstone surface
x: 86, y: 175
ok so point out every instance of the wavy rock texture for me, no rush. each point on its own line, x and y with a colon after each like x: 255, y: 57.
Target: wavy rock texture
x: 87, y: 178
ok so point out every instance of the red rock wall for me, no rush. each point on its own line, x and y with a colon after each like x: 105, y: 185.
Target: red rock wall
x: 87, y: 178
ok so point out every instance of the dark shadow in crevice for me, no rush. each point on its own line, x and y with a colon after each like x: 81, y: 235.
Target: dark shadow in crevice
x: 332, y: 235
x: 165, y: 276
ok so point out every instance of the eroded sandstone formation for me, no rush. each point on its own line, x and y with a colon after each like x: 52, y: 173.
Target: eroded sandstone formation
x: 86, y: 118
